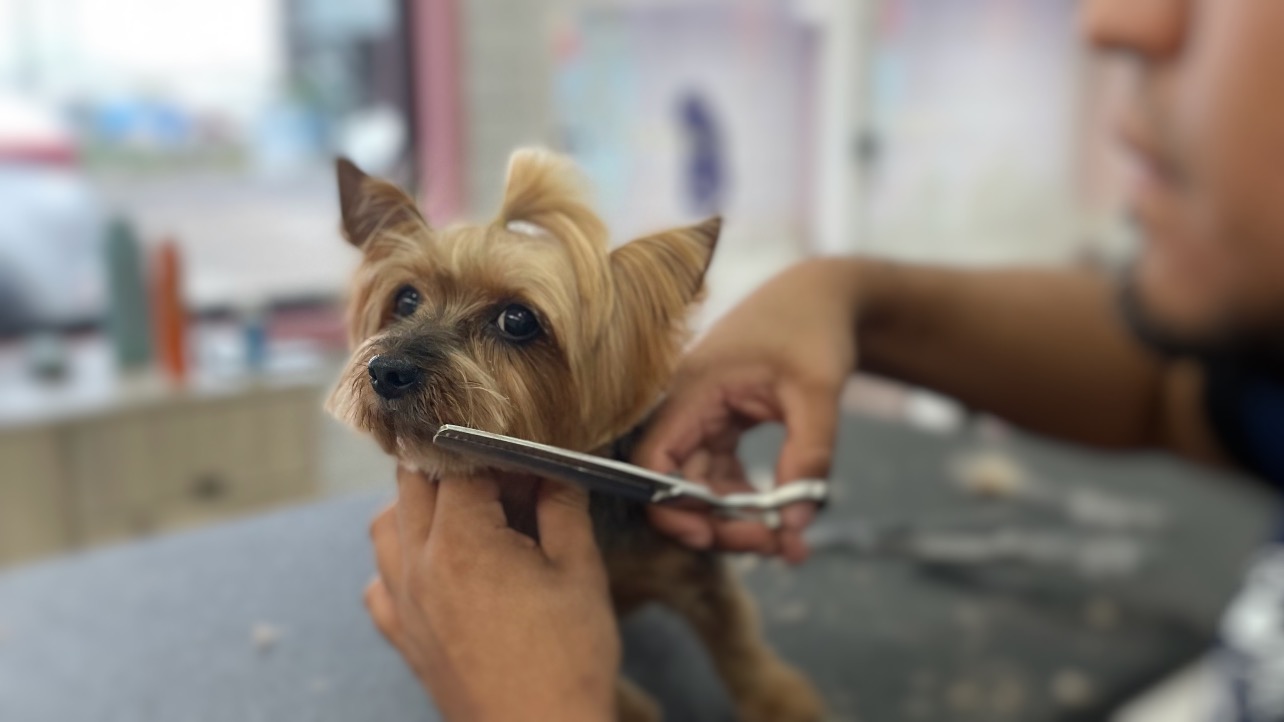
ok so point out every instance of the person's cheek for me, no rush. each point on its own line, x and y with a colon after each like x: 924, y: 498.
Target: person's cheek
x: 1254, y: 287
x: 1230, y: 120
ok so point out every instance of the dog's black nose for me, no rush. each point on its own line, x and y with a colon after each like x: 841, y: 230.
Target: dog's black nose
x: 392, y: 377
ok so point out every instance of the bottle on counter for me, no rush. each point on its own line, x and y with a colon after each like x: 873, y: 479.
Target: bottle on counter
x: 254, y: 330
x: 170, y: 316
x: 127, y: 303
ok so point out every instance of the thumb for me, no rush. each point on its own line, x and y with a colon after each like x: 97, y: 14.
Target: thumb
x: 565, y: 527
x: 468, y: 512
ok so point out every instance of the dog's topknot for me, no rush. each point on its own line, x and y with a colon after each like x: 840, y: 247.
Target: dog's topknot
x: 547, y: 191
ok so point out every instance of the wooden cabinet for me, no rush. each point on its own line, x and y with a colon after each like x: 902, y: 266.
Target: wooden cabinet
x: 155, y: 461
x: 34, y: 516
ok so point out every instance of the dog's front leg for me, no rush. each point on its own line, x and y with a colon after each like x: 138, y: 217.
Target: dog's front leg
x: 700, y: 588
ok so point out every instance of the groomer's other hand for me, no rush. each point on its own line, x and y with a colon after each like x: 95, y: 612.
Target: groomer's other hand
x: 496, y: 626
x: 783, y: 355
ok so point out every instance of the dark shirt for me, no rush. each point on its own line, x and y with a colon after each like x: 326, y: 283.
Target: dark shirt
x: 1245, y: 404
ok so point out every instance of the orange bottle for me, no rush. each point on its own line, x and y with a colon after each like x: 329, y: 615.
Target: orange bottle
x: 170, y: 317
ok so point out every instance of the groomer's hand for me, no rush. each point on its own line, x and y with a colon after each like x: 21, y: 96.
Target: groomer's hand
x: 783, y: 355
x: 496, y: 626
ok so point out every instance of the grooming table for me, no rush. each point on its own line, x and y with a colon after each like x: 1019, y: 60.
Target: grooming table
x: 261, y: 619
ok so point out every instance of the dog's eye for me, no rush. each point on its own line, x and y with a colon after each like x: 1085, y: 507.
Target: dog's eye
x: 406, y: 302
x: 518, y: 323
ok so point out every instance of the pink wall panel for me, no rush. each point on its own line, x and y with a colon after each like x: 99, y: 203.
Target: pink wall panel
x: 439, y: 110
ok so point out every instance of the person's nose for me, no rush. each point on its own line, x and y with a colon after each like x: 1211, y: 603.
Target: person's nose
x: 1152, y: 29
x: 393, y: 377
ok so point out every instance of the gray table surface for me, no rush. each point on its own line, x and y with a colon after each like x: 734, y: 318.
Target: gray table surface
x: 165, y: 629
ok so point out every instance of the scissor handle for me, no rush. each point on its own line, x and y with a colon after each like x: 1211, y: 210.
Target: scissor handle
x: 684, y: 493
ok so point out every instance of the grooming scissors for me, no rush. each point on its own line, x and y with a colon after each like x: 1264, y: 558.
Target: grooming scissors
x: 618, y: 478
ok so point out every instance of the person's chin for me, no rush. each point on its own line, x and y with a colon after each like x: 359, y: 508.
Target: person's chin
x: 1163, y: 313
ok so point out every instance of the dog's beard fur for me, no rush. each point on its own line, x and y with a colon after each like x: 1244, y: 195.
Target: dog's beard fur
x: 613, y: 322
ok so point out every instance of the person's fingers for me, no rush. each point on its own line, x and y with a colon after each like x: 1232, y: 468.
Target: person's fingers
x: 387, y: 547
x: 792, y: 546
x: 797, y: 517
x: 383, y: 610
x: 416, y: 502
x: 699, y: 530
x: 565, y: 528
x: 811, y: 424
x: 382, y: 607
x: 680, y: 426
x: 697, y: 465
x: 468, y: 511
x: 716, y: 466
x: 725, y: 484
x: 697, y: 430
x: 745, y: 536
x: 692, y: 528
x: 725, y: 470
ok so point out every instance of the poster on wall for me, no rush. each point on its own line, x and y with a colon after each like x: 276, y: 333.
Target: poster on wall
x: 683, y: 111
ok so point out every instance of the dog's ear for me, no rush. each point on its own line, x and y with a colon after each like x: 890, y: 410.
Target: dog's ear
x: 370, y: 205
x: 661, y: 275
x: 656, y: 279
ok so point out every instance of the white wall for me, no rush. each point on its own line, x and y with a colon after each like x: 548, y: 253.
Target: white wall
x: 977, y: 106
x: 224, y: 55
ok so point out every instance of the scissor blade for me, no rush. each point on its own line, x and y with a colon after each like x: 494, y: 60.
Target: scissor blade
x: 590, y: 472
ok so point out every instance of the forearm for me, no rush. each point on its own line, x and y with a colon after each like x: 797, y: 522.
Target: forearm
x: 1041, y: 348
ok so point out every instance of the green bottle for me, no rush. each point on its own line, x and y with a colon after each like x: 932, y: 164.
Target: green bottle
x: 128, y: 321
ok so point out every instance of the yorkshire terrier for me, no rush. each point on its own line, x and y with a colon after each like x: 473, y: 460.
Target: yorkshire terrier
x: 531, y: 326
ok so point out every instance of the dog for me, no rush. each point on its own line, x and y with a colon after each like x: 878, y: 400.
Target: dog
x: 531, y: 326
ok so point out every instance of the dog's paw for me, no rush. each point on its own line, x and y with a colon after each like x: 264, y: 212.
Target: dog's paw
x: 781, y: 695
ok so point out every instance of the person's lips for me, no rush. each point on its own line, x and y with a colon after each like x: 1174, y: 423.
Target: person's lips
x: 1154, y: 190
x: 1154, y: 163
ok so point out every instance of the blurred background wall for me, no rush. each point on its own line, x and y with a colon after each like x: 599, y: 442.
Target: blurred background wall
x: 950, y: 132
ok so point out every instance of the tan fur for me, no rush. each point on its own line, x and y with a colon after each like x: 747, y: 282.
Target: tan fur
x: 613, y: 322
